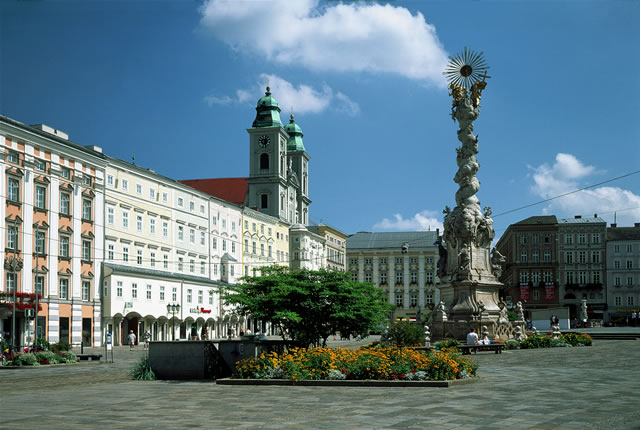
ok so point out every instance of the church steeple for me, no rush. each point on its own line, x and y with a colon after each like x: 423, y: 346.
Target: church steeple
x: 267, y: 112
x: 294, y: 143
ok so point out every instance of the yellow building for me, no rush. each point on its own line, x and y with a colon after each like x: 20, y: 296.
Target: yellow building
x: 335, y: 246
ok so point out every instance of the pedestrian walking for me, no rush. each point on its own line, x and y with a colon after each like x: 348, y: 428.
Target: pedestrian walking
x: 552, y: 321
x: 146, y: 337
x: 132, y: 340
x: 634, y: 318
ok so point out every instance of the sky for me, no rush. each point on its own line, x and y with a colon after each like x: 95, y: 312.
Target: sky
x: 176, y: 84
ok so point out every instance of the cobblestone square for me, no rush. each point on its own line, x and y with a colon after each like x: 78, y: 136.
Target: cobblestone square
x: 562, y: 388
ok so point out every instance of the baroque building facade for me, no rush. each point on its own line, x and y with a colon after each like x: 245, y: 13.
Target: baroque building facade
x: 166, y: 244
x: 402, y: 264
x: 52, y: 222
x: 531, y: 270
x: 109, y: 245
x: 623, y: 272
x: 581, y: 252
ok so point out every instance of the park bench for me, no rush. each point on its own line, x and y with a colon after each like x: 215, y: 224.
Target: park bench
x: 89, y: 357
x: 467, y: 349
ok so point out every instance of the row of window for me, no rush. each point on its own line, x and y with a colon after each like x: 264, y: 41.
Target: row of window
x: 630, y: 301
x: 628, y: 248
x: 368, y: 277
x: 40, y: 201
x: 161, y: 293
x: 581, y: 257
x: 617, y: 281
x: 536, y: 277
x: 413, y: 299
x: 535, y: 238
x: 582, y: 277
x: 398, y: 261
x: 41, y: 166
x: 617, y: 264
x: 40, y: 244
x: 254, y: 228
x: 254, y: 249
x: 39, y: 282
x: 535, y: 256
x: 581, y: 238
x: 191, y: 266
x: 124, y: 185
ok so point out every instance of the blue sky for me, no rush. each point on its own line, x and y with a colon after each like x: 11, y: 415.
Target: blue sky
x: 176, y: 82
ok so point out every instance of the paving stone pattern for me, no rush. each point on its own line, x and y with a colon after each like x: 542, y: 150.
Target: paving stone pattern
x: 594, y: 387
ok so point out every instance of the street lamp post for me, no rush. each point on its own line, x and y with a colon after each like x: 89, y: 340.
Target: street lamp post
x: 173, y: 309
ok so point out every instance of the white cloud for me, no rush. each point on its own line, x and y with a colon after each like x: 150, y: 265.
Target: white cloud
x: 303, y: 98
x: 565, y: 175
x: 359, y: 37
x: 421, y: 221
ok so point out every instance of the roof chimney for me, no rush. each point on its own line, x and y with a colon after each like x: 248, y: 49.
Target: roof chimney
x: 614, y: 225
x: 578, y: 216
x: 595, y: 215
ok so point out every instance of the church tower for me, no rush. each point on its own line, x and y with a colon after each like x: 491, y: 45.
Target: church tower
x: 299, y: 162
x: 274, y: 188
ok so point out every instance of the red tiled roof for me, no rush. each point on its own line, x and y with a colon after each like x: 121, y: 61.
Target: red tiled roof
x: 232, y: 190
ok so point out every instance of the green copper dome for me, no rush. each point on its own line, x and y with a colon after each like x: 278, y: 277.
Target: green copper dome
x: 295, y: 136
x: 267, y: 112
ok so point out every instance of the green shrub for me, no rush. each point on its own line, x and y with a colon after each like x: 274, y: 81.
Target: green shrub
x: 26, y: 359
x: 141, y: 370
x: 48, y: 357
x: 59, y: 347
x: 42, y: 344
x: 536, y: 341
x: 67, y: 357
x: 557, y: 343
x: 447, y: 343
x: 512, y: 316
x: 403, y: 333
x: 576, y: 339
x: 511, y: 344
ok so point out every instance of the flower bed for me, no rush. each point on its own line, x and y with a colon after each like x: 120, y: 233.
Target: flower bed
x: 39, y: 358
x: 545, y: 340
x: 368, y: 363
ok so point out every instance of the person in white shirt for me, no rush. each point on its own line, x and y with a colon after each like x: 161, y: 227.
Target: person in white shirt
x: 472, y: 337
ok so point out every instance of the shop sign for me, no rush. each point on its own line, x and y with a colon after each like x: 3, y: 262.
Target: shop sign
x: 524, y: 292
x: 549, y: 292
x: 128, y: 305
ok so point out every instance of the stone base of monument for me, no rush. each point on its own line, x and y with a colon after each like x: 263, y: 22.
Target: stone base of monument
x: 491, y: 329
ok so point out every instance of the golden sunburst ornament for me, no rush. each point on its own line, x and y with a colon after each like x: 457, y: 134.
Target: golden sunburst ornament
x: 466, y: 68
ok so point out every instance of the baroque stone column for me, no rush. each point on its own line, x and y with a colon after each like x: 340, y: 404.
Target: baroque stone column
x: 469, y: 280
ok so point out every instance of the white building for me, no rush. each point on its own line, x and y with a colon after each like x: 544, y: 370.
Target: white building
x: 167, y: 244
x: 402, y: 264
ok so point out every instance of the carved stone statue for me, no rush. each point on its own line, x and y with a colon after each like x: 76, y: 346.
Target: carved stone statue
x: 503, y: 317
x: 427, y: 336
x: 519, y: 311
x: 439, y: 313
x: 583, y: 311
x: 463, y: 259
x: 481, y: 307
x: 497, y: 261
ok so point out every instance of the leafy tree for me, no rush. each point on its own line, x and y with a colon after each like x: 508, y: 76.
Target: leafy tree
x: 309, y: 306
